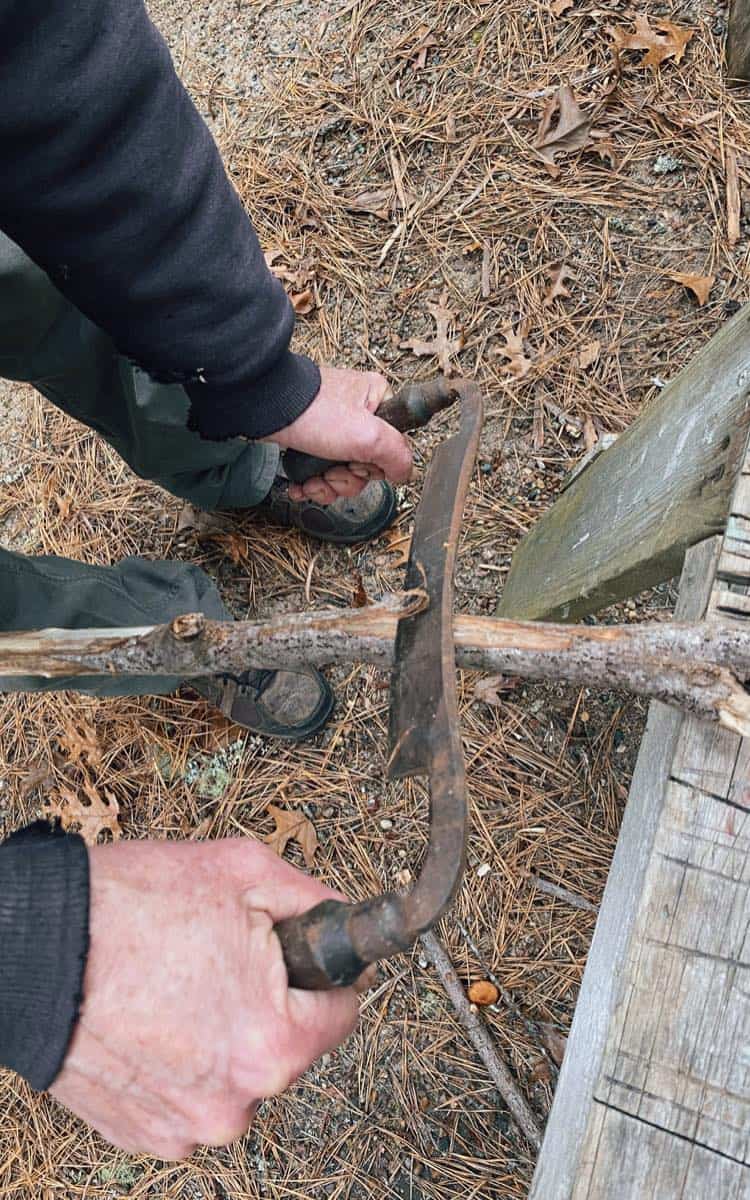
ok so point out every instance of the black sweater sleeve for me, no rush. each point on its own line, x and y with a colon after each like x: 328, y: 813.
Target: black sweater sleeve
x: 113, y: 184
x: 44, y: 924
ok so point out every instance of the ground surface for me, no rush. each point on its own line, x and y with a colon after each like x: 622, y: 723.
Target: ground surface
x: 424, y: 113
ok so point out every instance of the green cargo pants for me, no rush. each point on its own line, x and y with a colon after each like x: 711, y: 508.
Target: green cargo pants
x: 46, y: 341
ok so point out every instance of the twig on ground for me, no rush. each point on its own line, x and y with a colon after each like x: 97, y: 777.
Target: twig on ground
x: 561, y: 893
x: 477, y: 1030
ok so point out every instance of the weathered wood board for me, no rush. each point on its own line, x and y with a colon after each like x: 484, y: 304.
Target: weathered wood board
x: 738, y: 40
x: 653, y: 1100
x: 625, y: 522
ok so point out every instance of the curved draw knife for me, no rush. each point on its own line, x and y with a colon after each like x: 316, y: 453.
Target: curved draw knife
x: 330, y: 945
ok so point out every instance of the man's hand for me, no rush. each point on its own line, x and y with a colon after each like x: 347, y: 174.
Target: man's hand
x: 187, y: 1020
x: 341, y: 424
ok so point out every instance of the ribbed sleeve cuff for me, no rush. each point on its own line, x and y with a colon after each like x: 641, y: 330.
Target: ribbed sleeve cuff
x: 259, y: 408
x: 44, y: 933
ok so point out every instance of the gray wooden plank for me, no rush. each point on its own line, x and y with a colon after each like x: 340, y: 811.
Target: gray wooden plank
x: 624, y: 524
x: 661, y: 1105
x: 627, y: 1158
x: 567, y: 1131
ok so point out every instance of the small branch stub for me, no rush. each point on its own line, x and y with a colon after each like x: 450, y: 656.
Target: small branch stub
x: 188, y: 626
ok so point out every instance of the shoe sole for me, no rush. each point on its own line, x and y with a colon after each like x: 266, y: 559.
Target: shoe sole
x: 368, y: 532
x: 210, y: 690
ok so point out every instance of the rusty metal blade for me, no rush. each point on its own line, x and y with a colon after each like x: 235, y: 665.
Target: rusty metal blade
x: 424, y: 674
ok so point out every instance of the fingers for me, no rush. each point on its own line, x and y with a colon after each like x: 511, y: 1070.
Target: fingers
x: 386, y: 448
x: 339, y: 481
x: 270, y: 884
x: 319, y: 1022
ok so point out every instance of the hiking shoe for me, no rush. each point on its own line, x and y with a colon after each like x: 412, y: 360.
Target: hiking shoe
x: 344, y: 522
x: 293, y: 703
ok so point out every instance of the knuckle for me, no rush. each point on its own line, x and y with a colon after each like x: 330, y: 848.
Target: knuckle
x: 222, y: 1125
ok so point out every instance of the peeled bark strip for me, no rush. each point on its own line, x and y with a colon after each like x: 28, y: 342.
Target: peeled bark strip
x: 695, y: 667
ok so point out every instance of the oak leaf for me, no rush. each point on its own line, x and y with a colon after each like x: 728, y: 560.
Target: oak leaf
x: 80, y: 743
x: 666, y: 40
x: 699, y: 285
x: 92, y: 816
x: 571, y: 132
x: 589, y: 354
x: 418, y: 52
x: 514, y: 350
x: 377, y: 202
x: 556, y: 287
x: 303, y: 302
x: 554, y: 1041
x: 292, y: 826
x: 491, y: 690
x: 443, y: 345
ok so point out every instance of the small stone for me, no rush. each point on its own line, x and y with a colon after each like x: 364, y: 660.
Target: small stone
x: 665, y: 164
x: 329, y: 812
x: 483, y: 870
x: 422, y: 962
x: 386, y: 823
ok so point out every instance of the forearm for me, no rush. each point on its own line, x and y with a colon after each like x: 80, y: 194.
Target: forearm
x: 114, y: 185
x: 44, y: 915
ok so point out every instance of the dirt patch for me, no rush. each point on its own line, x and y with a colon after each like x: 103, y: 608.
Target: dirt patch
x: 386, y: 153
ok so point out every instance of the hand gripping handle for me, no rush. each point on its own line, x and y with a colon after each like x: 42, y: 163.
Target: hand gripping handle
x: 409, y: 408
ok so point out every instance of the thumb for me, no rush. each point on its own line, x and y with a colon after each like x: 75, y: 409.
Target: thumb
x: 386, y: 448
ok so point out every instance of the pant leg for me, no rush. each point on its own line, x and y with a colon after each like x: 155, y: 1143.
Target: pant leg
x: 50, y: 592
x: 46, y: 341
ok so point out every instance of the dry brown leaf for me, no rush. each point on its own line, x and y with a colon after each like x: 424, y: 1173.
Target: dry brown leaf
x: 589, y: 354
x: 514, y: 351
x: 558, y: 7
x: 601, y: 144
x: 64, y: 505
x: 80, y: 743
x: 492, y: 690
x: 297, y: 277
x: 669, y: 42
x: 303, y: 302
x: 590, y: 435
x: 35, y: 777
x: 571, y: 132
x: 360, y: 599
x: 378, y: 202
x: 541, y: 1071
x: 92, y: 816
x: 483, y: 992
x: 556, y: 287
x: 294, y: 826
x: 234, y: 546
x: 554, y: 1041
x: 418, y: 53
x: 398, y: 543
x: 195, y: 518
x: 699, y: 285
x: 443, y: 346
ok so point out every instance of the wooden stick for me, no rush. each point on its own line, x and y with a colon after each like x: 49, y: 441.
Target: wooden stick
x: 501, y: 1074
x: 695, y: 667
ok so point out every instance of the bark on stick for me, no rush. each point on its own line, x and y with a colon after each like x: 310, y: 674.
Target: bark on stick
x: 697, y: 667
